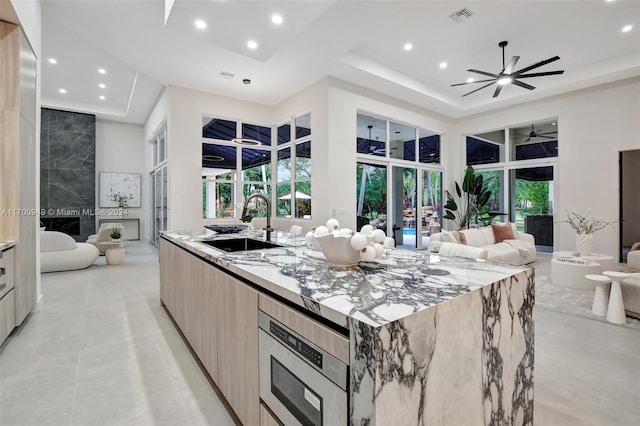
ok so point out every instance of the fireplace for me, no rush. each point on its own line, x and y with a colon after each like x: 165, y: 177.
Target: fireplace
x: 69, y: 225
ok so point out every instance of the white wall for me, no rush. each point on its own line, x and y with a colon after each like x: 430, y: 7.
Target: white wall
x: 121, y: 147
x: 594, y: 125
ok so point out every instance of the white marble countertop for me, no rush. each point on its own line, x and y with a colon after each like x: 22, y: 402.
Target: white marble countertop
x: 401, y: 283
x: 5, y: 245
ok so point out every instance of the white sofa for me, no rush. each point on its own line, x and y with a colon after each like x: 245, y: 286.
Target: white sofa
x: 631, y: 286
x: 520, y: 250
x: 60, y: 252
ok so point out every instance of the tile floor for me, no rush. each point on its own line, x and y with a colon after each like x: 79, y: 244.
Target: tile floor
x: 101, y: 351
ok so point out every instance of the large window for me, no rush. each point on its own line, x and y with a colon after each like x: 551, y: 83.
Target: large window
x: 231, y: 171
x: 517, y: 164
x: 413, y: 193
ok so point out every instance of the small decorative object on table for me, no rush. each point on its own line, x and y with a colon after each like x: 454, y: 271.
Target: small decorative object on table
x: 343, y: 247
x: 585, y: 226
x: 116, y: 234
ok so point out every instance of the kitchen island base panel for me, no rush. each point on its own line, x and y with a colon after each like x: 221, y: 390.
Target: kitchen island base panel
x: 468, y: 361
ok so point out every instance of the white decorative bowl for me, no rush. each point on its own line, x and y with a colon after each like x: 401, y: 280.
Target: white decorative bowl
x: 338, y: 250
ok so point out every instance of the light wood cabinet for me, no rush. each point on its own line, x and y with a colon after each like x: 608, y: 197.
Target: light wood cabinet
x: 218, y: 315
x: 266, y: 418
x: 238, y: 349
x: 7, y: 293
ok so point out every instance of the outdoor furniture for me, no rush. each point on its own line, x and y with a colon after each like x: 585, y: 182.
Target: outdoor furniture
x: 601, y: 297
x: 615, y: 310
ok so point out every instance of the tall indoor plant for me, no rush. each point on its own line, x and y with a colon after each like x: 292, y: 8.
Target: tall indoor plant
x: 471, y: 204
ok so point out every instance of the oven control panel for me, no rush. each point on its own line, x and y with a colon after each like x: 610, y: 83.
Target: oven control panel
x: 296, y: 344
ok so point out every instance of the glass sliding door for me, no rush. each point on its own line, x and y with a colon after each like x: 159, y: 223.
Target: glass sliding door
x: 407, y: 223
x: 431, y: 204
x: 532, y: 203
x: 371, y: 190
x: 158, y: 192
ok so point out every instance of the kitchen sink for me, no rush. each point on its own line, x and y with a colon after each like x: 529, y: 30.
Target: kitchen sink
x: 239, y: 244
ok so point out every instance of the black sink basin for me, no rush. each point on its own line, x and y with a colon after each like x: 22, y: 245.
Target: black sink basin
x: 239, y: 244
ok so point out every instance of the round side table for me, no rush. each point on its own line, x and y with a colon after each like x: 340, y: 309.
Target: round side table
x: 605, y: 261
x: 615, y: 311
x: 114, y: 255
x: 601, y: 297
x: 565, y: 274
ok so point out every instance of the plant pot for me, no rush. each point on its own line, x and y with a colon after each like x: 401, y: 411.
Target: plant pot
x: 584, y: 244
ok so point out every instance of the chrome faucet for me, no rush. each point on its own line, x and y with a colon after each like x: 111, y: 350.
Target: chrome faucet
x: 268, y: 228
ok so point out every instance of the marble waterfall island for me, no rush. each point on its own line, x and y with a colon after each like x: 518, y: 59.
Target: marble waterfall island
x: 433, y: 340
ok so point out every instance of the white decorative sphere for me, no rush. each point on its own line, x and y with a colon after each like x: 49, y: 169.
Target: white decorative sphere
x: 321, y: 230
x: 368, y: 254
x: 379, y: 236
x: 333, y: 224
x: 359, y: 241
x: 366, y: 229
x: 389, y: 242
x: 379, y: 249
x: 309, y: 237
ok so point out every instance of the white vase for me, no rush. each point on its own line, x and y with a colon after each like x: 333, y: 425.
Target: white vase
x: 584, y: 244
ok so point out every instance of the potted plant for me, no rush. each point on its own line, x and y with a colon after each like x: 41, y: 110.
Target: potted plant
x: 471, y: 202
x: 116, y: 234
x: 585, y: 226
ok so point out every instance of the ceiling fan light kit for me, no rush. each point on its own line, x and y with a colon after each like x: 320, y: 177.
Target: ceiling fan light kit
x: 508, y: 75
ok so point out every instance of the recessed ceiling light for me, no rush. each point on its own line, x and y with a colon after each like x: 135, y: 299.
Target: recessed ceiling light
x: 53, y: 61
x: 408, y: 47
x: 102, y: 71
x: 252, y: 44
x: 443, y: 65
x: 470, y: 80
x: 276, y: 19
x: 63, y: 91
x: 101, y: 85
x: 200, y: 24
x: 102, y: 98
x: 627, y: 28
x: 553, y: 124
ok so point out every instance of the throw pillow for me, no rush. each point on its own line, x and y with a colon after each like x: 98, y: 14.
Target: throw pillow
x: 463, y: 238
x: 502, y: 231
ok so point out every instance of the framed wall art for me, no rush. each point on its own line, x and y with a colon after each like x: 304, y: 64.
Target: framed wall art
x: 119, y: 189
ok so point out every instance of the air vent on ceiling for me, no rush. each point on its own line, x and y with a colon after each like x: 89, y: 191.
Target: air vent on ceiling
x: 461, y: 15
x: 226, y: 75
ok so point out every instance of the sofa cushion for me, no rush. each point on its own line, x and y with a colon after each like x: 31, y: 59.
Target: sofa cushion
x: 502, y: 231
x: 449, y: 237
x: 460, y: 250
x: 478, y: 237
x: 502, y: 252
x: 55, y: 241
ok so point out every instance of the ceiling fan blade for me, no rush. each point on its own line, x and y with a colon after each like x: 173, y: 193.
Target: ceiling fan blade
x: 484, y: 73
x: 536, y: 65
x: 539, y: 74
x: 498, y: 89
x: 528, y: 139
x: 547, y: 137
x: 479, y: 88
x: 472, y: 82
x: 523, y: 85
x: 511, y: 65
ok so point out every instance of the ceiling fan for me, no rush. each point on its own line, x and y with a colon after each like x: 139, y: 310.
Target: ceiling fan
x: 534, y: 134
x: 508, y: 75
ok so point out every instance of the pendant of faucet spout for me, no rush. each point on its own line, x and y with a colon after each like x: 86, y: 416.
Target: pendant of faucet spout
x: 266, y: 200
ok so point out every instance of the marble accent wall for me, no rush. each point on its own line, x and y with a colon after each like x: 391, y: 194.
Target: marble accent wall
x: 67, y: 167
x: 465, y: 361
